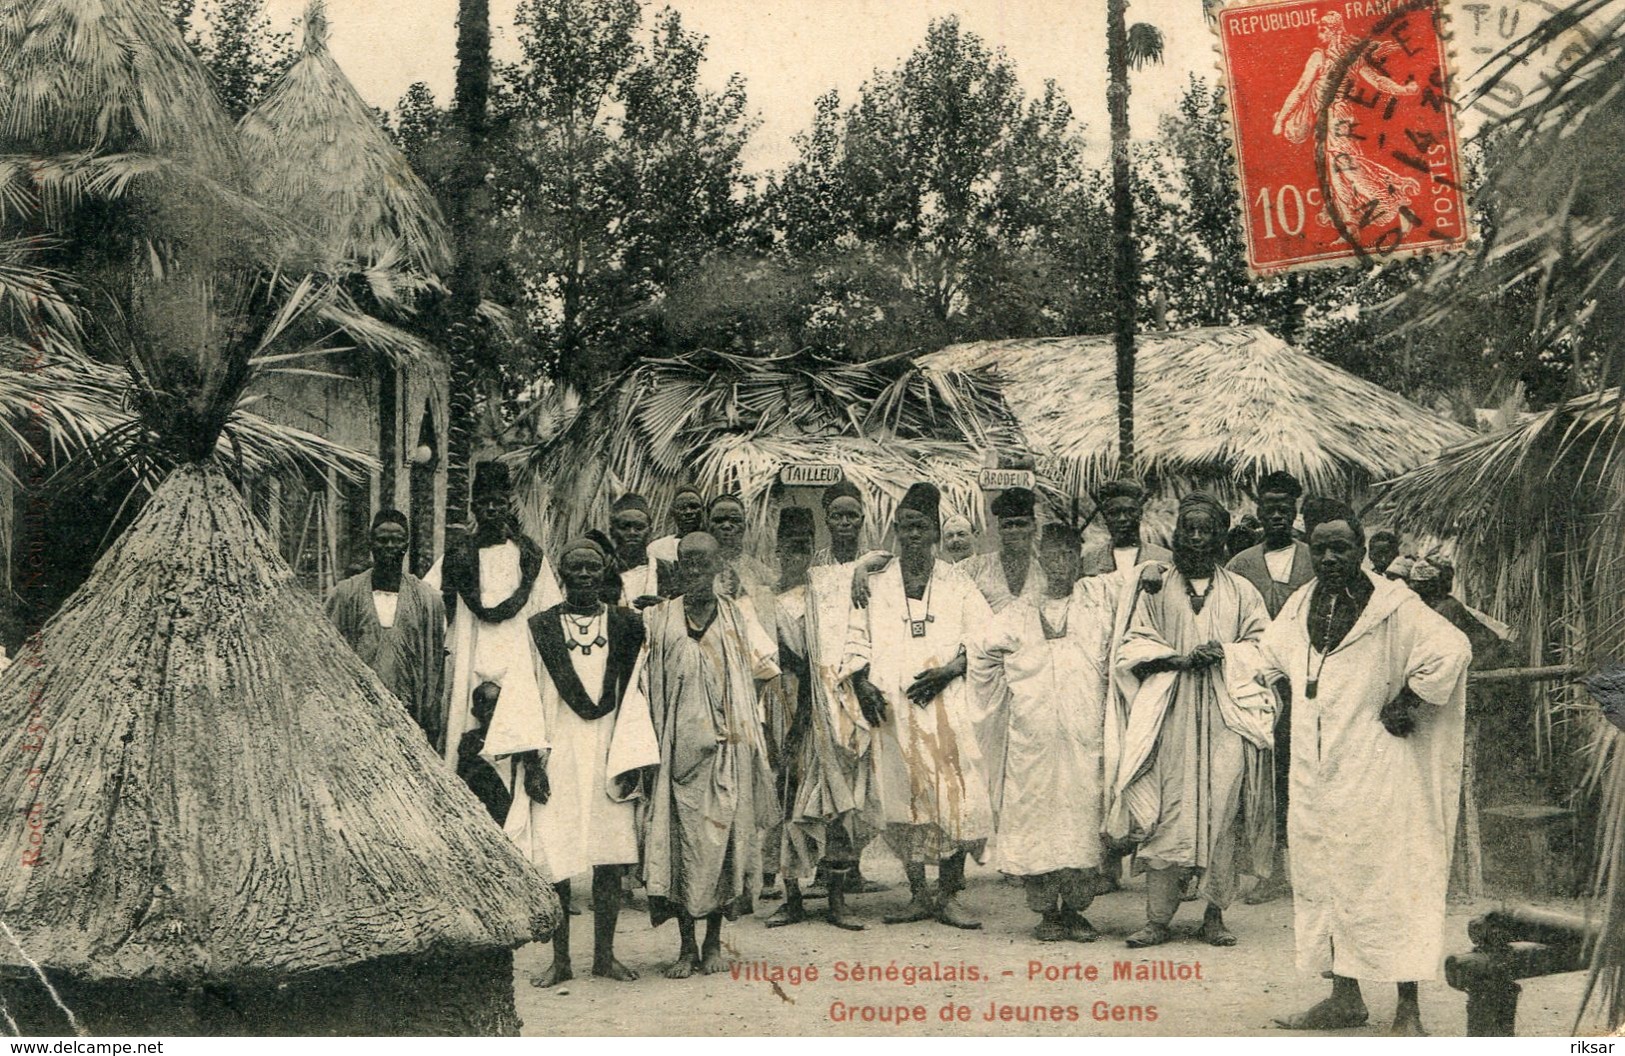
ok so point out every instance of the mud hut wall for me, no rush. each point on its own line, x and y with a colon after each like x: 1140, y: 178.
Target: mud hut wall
x: 330, y: 514
x: 423, y: 412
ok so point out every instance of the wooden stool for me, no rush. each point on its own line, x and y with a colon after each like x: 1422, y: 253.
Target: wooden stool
x: 1537, y: 820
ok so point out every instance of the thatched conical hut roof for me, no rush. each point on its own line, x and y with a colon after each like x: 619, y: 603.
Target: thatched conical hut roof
x: 104, y: 76
x: 99, y: 97
x: 317, y: 151
x: 1217, y: 404
x: 216, y: 787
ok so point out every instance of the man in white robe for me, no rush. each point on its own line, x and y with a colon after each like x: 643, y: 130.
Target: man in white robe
x: 1379, y: 690
x: 1012, y: 571
x: 579, y: 757
x: 1192, y: 782
x: 827, y: 767
x: 492, y: 583
x: 687, y: 516
x: 906, y: 655
x: 1043, y: 666
x: 640, y: 575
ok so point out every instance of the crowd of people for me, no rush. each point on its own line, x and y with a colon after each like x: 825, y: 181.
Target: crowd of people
x: 1262, y: 711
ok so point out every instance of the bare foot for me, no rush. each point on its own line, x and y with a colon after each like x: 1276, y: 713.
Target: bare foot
x: 686, y: 964
x: 615, y: 970
x: 553, y: 975
x: 713, y: 963
x: 1330, y: 1014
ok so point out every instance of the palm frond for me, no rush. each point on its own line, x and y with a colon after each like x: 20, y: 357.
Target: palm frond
x: 33, y: 301
x: 1145, y: 45
x: 664, y: 420
x: 1551, y: 185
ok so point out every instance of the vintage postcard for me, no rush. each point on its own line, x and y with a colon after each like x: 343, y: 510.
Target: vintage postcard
x: 811, y: 518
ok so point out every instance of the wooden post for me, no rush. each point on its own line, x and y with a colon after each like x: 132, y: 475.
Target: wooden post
x: 1473, y: 862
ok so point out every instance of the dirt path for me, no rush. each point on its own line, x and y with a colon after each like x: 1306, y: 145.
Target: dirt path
x: 1239, y: 991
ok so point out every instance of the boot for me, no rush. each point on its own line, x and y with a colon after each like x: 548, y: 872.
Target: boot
x: 794, y: 911
x: 920, y: 905
x: 838, y: 879
x: 951, y: 911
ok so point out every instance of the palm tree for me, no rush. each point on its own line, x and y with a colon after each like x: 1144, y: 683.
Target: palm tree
x: 465, y: 347
x: 1127, y: 47
x: 213, y: 744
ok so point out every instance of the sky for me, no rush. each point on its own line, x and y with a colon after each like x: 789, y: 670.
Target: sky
x: 792, y: 51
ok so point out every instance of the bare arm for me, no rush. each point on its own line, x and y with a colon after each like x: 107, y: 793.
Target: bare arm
x: 1386, y: 84
x: 1311, y: 70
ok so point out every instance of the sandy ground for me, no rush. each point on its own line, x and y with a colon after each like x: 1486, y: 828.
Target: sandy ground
x: 1240, y: 990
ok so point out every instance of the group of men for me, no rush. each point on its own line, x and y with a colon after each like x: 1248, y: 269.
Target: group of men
x: 677, y: 711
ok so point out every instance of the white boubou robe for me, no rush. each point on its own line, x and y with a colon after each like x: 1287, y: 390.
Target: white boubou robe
x: 931, y: 776
x: 835, y: 761
x: 988, y: 572
x: 1372, y: 817
x: 1189, y: 759
x: 640, y: 582
x: 589, y: 818
x: 492, y: 652
x: 1048, y: 700
x: 713, y: 794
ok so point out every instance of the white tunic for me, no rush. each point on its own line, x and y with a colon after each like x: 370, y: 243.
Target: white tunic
x: 930, y: 767
x: 1372, y: 818
x: 640, y: 582
x: 1050, y: 699
x: 492, y: 652
x: 589, y: 816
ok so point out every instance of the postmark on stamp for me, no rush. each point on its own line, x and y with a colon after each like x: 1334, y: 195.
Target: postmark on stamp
x: 1344, y: 131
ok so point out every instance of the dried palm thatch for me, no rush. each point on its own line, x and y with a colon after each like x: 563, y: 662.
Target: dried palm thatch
x: 316, y: 150
x: 221, y: 789
x: 1552, y: 188
x: 103, y: 76
x: 100, y: 95
x: 1538, y: 510
x: 1221, y: 405
x: 729, y: 422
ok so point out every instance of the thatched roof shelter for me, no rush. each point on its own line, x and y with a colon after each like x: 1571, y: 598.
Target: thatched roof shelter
x: 1537, y: 510
x: 1494, y: 491
x: 318, y: 152
x: 729, y: 423
x: 221, y: 789
x: 1218, y: 405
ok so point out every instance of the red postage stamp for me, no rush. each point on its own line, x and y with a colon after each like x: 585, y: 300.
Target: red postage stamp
x: 1344, y: 131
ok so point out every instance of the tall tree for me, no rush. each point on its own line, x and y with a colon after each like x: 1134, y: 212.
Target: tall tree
x: 239, y: 44
x: 946, y: 177
x: 1127, y: 47
x: 618, y: 175
x: 465, y: 348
